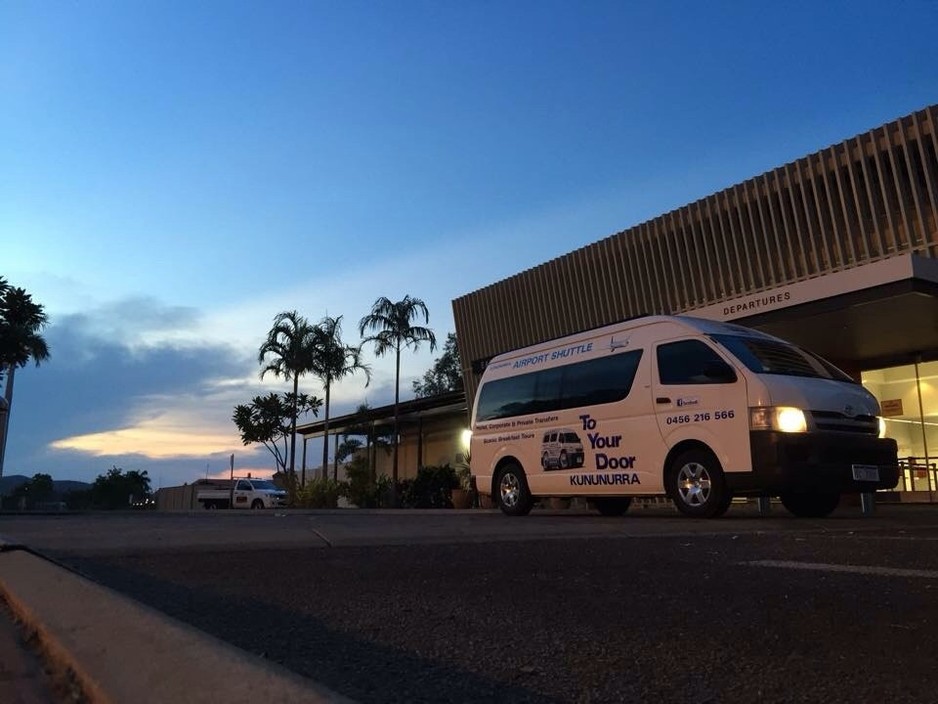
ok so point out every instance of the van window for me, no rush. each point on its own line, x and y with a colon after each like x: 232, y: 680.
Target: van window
x: 547, y: 389
x: 774, y: 357
x: 513, y: 396
x: 692, y: 362
x: 602, y: 380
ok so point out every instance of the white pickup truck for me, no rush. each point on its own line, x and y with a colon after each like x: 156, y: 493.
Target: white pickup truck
x: 244, y: 493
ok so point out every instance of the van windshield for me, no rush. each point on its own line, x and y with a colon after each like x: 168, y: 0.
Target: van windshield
x: 766, y: 356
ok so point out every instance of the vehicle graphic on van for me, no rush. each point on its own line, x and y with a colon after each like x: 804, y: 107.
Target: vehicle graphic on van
x: 561, y: 449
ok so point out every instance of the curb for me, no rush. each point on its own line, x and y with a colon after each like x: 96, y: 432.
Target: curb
x: 122, y: 651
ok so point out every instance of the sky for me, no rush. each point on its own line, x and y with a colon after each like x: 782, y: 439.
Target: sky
x: 174, y: 174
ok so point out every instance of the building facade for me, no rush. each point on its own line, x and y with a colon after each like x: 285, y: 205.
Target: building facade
x: 836, y: 251
x: 431, y: 434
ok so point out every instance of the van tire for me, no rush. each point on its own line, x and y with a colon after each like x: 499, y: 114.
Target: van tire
x: 257, y: 504
x: 805, y: 505
x: 613, y: 505
x: 511, y: 491
x: 564, y: 461
x: 696, y: 484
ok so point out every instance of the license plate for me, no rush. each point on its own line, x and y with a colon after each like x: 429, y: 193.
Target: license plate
x: 865, y: 472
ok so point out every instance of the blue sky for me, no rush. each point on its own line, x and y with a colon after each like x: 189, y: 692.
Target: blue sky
x: 174, y: 174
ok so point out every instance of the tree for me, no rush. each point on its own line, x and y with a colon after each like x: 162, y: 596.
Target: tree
x: 36, y: 490
x: 21, y: 321
x: 290, y: 346
x: 333, y: 361
x: 446, y: 373
x: 347, y: 448
x: 391, y: 328
x: 118, y: 490
x: 269, y: 420
x: 375, y: 436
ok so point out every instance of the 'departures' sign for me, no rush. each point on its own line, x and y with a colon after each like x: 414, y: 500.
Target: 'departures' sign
x: 837, y: 283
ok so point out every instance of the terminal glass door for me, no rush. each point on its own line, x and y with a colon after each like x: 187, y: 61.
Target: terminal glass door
x: 908, y: 399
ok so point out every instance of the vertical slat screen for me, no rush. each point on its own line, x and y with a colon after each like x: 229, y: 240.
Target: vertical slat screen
x: 869, y: 197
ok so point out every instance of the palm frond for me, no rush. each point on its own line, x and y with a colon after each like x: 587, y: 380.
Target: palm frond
x: 21, y: 321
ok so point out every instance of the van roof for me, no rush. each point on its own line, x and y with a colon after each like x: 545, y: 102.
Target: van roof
x: 700, y: 325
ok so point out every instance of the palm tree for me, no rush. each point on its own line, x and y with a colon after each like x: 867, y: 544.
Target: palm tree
x: 375, y: 437
x: 390, y: 325
x: 333, y: 361
x: 21, y: 320
x: 290, y: 346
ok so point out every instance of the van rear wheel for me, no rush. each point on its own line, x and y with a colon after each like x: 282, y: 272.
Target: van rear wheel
x: 696, y: 485
x: 806, y: 505
x: 613, y: 506
x: 512, y: 493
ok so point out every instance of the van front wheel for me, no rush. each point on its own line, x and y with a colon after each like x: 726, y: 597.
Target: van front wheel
x: 696, y: 485
x: 514, y: 497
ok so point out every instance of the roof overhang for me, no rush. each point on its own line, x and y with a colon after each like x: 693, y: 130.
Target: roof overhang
x: 878, y: 314
x: 412, y: 411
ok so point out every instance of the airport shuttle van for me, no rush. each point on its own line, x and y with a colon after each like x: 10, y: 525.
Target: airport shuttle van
x: 696, y: 410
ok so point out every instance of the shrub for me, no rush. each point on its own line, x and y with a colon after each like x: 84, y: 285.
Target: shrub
x: 321, y: 492
x: 430, y: 489
x: 362, y: 491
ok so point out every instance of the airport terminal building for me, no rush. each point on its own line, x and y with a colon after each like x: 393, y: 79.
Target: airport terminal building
x: 836, y: 251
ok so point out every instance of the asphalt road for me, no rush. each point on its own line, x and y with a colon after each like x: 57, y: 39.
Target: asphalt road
x: 477, y: 607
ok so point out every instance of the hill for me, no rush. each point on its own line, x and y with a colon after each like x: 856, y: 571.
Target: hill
x: 8, y: 484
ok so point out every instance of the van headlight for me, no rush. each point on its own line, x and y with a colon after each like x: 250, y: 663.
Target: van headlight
x: 784, y: 419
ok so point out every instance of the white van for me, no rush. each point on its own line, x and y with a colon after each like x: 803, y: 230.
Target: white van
x: 693, y: 409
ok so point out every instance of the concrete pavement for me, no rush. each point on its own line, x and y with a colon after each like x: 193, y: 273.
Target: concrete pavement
x: 122, y: 651
x: 22, y: 679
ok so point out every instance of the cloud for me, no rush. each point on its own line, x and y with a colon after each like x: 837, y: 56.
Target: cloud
x: 122, y: 389
x: 104, y: 393
x: 136, y: 380
x: 173, y: 433
x: 138, y: 320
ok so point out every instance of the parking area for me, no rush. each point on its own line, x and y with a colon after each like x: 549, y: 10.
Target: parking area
x: 555, y: 607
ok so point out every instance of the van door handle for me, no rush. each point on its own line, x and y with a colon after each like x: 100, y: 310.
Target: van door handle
x: 662, y: 399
